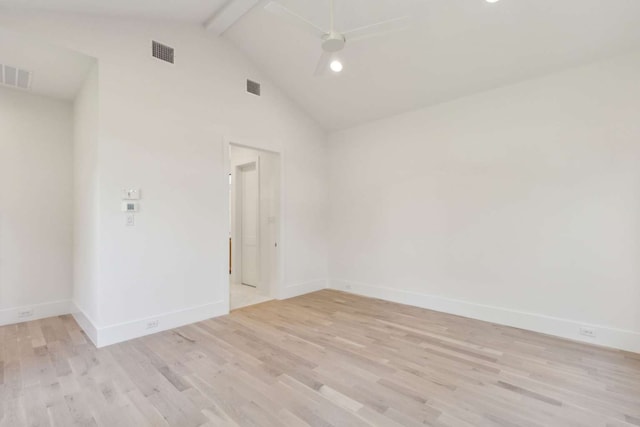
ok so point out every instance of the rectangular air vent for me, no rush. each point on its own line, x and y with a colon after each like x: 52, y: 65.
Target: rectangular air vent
x: 162, y: 52
x: 253, y: 87
x: 15, y: 77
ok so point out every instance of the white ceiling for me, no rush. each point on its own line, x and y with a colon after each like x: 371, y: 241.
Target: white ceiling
x: 56, y: 72
x: 455, y: 47
x: 195, y: 11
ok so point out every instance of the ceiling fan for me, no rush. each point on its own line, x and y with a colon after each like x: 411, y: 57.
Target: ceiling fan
x: 332, y: 41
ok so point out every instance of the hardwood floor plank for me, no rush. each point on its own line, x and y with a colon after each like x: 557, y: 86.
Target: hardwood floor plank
x: 323, y: 359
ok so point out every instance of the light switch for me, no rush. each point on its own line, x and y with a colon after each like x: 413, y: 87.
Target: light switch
x: 131, y: 220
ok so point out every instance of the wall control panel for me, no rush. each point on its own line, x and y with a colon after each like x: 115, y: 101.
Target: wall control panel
x: 130, y: 207
x: 131, y: 194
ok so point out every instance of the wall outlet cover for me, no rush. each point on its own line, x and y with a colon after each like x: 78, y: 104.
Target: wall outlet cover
x: 153, y: 324
x: 587, y: 332
x: 25, y: 313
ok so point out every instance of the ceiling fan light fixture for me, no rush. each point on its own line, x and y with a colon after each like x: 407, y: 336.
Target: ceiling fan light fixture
x: 332, y: 41
x: 336, y: 66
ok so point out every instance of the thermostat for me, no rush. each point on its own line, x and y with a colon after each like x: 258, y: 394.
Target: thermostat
x: 131, y: 194
x: 130, y: 207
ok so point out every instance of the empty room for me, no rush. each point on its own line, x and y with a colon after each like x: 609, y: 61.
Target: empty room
x: 319, y: 213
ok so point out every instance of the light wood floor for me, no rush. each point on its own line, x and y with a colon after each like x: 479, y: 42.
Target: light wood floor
x: 325, y: 359
x: 244, y: 296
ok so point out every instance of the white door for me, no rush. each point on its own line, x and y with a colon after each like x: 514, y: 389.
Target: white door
x: 250, y: 223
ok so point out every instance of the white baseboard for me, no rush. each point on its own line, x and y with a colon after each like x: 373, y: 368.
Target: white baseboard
x: 303, y: 288
x: 120, y: 332
x: 85, y: 322
x: 565, y: 328
x: 27, y: 313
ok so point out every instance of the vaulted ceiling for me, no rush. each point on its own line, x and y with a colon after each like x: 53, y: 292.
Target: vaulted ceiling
x: 453, y: 48
x: 195, y: 11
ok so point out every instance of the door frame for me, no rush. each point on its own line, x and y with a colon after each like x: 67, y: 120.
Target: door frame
x: 277, y: 289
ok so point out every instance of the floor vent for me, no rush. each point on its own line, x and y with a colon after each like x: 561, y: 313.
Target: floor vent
x: 15, y: 77
x: 162, y: 52
x: 253, y: 87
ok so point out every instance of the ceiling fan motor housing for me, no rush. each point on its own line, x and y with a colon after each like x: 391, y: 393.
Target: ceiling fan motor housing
x: 333, y: 42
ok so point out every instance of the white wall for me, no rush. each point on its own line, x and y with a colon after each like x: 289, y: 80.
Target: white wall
x: 519, y: 206
x: 162, y: 128
x: 35, y: 205
x: 86, y: 208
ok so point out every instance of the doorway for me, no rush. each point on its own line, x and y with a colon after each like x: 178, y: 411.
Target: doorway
x: 254, y: 200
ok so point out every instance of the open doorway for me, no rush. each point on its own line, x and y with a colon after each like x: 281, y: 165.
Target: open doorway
x: 254, y: 200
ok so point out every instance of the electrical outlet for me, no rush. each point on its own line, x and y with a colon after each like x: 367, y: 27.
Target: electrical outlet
x: 587, y: 332
x: 153, y: 324
x: 25, y: 313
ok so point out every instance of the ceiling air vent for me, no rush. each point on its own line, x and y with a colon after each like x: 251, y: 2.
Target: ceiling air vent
x: 15, y: 77
x: 162, y: 52
x: 253, y: 87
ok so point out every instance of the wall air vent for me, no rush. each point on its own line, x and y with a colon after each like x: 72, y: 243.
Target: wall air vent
x: 15, y: 77
x: 253, y: 87
x: 162, y: 52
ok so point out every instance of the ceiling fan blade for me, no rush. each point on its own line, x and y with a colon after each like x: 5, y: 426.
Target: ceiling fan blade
x: 323, y: 64
x: 295, y: 19
x: 379, y: 29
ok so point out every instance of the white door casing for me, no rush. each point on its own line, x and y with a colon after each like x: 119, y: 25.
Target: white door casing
x: 269, y: 173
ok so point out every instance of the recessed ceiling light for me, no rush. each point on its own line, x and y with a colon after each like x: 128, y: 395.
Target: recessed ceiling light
x: 492, y: 1
x: 336, y: 66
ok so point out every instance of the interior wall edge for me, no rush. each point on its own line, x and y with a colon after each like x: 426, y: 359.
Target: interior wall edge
x: 564, y: 328
x: 86, y: 323
x: 120, y: 332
